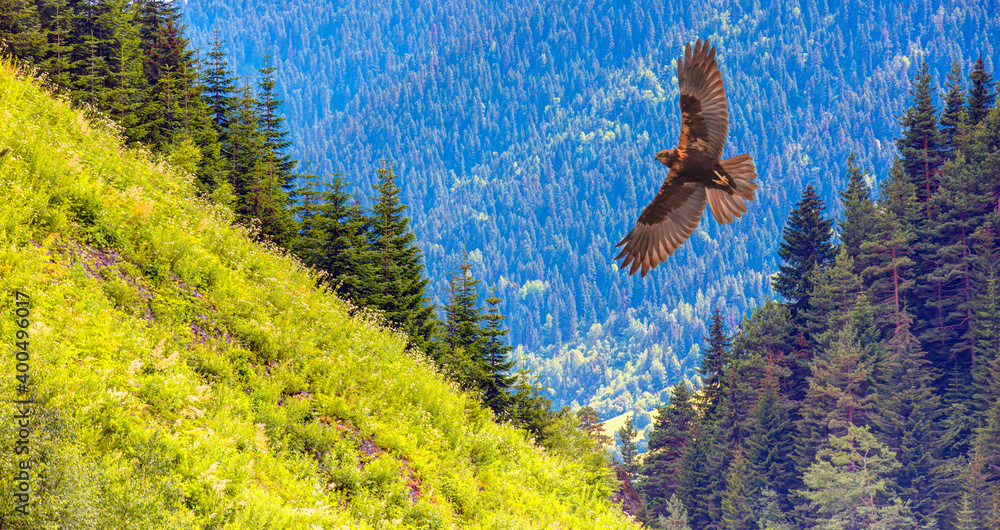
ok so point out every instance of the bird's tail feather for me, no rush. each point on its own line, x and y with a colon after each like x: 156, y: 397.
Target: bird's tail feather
x: 725, y: 206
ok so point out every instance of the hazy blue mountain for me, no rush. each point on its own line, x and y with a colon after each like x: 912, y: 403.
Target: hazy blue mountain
x: 525, y: 132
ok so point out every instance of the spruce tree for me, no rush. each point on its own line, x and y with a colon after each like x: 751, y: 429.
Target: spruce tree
x: 627, y: 435
x: 713, y: 363
x: 921, y: 144
x: 859, y: 212
x: 805, y: 245
x: 946, y: 287
x: 982, y: 92
x: 398, y: 283
x: 675, y: 516
x: 839, y: 394
x: 20, y: 30
x: 496, y: 354
x: 953, y: 116
x: 907, y: 420
x: 772, y: 434
x: 737, y: 500
x: 660, y: 475
x: 463, y: 332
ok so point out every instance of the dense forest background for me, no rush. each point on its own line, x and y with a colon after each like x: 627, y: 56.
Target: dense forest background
x: 524, y: 132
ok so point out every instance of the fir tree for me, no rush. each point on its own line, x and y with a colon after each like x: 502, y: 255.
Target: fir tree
x: 345, y: 256
x: 277, y: 178
x: 463, y: 331
x: 982, y: 92
x: 220, y: 85
x: 20, y: 30
x: 805, y: 245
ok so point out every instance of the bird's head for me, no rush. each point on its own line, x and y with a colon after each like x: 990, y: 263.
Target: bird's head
x: 667, y: 157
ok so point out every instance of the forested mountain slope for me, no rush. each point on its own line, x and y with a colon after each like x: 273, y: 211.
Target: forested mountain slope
x: 525, y: 132
x: 183, y: 375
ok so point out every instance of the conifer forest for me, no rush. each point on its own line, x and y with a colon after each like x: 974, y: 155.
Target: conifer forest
x: 456, y: 174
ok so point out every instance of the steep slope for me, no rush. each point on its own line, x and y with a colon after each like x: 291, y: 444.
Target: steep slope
x: 525, y: 132
x: 184, y: 376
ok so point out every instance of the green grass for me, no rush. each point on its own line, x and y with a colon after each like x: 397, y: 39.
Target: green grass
x: 187, y: 377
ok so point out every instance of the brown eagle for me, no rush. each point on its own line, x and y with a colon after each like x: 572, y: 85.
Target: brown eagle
x: 697, y: 175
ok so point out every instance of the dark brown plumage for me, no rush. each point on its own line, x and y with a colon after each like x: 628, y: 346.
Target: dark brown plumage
x: 697, y: 175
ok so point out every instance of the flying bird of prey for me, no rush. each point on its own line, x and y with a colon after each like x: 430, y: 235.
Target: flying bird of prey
x: 697, y: 175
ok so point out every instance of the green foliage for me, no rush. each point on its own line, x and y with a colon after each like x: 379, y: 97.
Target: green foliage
x: 849, y: 485
x: 982, y: 92
x: 806, y: 245
x: 231, y: 392
x: 626, y: 446
x: 660, y: 474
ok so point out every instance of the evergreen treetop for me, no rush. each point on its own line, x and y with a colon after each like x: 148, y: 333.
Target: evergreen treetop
x: 806, y: 244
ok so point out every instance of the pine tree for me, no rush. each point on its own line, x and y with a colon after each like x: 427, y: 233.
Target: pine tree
x: 849, y: 485
x: 953, y: 116
x: 496, y: 351
x: 591, y: 423
x: 398, y: 284
x: 921, y: 144
x: 982, y: 92
x: 859, y: 212
x: 675, y: 516
x: 660, y: 474
x: 805, y: 245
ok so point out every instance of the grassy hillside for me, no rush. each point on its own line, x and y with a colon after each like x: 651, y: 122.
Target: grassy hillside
x: 185, y: 376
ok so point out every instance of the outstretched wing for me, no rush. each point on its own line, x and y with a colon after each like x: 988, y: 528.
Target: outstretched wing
x: 664, y: 225
x: 704, y: 112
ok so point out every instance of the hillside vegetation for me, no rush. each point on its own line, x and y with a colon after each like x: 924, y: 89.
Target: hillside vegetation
x: 186, y: 376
